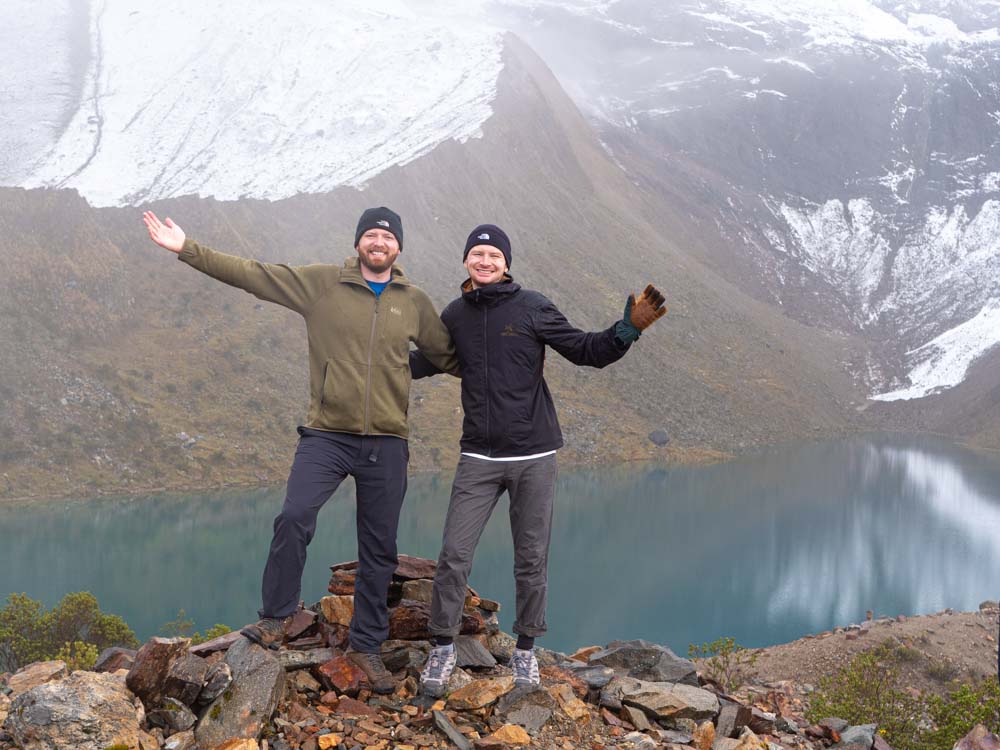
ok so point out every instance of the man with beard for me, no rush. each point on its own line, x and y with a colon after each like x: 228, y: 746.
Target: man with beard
x: 360, y: 318
x: 510, y: 435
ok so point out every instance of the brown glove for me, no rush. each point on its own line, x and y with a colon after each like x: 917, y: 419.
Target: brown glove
x: 646, y: 310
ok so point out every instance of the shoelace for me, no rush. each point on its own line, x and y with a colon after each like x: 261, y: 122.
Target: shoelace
x: 375, y: 663
x: 435, y: 665
x: 522, y: 665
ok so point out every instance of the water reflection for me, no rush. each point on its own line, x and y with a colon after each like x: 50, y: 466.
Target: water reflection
x: 765, y: 549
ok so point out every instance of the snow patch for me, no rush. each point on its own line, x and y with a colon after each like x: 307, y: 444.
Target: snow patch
x: 943, y: 362
x: 841, y: 244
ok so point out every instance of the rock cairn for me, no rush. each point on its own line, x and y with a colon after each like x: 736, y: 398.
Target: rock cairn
x: 228, y: 694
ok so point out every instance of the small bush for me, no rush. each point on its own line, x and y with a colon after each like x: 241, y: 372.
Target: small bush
x: 213, y: 632
x: 966, y: 706
x: 28, y: 633
x: 725, y: 662
x: 864, y: 692
x: 78, y: 655
x: 942, y: 671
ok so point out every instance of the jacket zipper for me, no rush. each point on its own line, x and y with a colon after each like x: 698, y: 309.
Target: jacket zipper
x: 486, y: 375
x: 371, y: 345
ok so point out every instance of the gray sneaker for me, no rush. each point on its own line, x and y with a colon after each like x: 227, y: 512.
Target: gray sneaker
x: 438, y: 670
x: 525, y: 667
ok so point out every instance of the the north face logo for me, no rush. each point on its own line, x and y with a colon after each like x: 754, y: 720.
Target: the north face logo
x: 383, y: 223
x: 508, y: 331
x: 483, y: 236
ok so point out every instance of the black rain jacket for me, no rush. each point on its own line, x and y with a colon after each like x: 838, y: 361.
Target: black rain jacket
x: 500, y: 333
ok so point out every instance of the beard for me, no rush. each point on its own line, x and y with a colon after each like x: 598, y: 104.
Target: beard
x: 377, y: 266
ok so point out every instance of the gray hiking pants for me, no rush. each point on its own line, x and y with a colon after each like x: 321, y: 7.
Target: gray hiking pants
x: 478, y: 486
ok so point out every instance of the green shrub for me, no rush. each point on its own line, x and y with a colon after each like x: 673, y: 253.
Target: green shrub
x: 953, y: 717
x: 78, y: 655
x: 213, y: 632
x: 864, y: 692
x: 725, y: 662
x: 28, y: 633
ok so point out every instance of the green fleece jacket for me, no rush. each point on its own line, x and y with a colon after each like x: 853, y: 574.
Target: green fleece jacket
x: 359, y: 344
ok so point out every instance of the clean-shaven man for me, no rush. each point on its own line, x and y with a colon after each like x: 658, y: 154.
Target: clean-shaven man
x: 509, y: 436
x: 360, y: 319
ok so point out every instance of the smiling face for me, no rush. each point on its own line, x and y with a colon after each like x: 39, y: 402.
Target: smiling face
x: 378, y: 250
x: 485, y: 264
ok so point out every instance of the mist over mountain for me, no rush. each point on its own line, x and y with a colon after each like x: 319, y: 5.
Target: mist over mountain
x: 815, y: 188
x: 841, y: 159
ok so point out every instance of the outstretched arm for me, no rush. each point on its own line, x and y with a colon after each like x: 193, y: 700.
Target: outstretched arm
x: 600, y: 348
x: 292, y: 287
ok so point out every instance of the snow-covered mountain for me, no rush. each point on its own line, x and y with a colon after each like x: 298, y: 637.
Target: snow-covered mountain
x: 851, y: 151
x: 266, y: 100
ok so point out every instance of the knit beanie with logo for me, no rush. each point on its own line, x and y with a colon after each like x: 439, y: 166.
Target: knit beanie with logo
x: 380, y: 218
x: 488, y: 234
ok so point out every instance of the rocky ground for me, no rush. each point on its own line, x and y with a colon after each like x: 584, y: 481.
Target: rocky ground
x: 228, y: 694
x: 934, y: 649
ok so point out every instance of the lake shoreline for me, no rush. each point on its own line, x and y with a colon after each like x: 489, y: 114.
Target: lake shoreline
x: 698, y: 459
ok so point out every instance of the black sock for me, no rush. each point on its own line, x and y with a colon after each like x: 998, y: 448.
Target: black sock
x: 525, y: 642
x: 443, y: 640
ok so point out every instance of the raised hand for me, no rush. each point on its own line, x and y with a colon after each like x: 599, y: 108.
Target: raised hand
x: 165, y: 234
x: 646, y: 310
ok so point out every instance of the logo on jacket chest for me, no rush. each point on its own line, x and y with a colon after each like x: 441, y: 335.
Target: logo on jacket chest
x: 508, y: 330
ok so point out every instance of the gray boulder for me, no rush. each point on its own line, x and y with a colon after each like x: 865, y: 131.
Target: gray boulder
x: 646, y: 661
x: 860, y: 737
x: 243, y: 710
x: 85, y: 711
x: 665, y: 701
x: 595, y: 676
x: 659, y: 438
x: 469, y: 652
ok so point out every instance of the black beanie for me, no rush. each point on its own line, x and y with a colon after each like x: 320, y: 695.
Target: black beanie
x: 380, y: 218
x: 488, y: 234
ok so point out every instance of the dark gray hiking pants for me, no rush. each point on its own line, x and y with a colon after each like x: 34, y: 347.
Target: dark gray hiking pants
x: 478, y: 486
x: 322, y: 461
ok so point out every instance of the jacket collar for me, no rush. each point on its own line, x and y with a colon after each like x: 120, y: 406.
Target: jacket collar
x: 351, y: 273
x: 490, y: 294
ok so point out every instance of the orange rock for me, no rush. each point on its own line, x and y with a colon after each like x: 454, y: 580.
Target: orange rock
x: 337, y: 610
x: 512, y: 734
x: 238, y: 744
x: 343, y: 675
x: 326, y: 741
x: 481, y: 692
x: 704, y: 736
x: 583, y: 654
x: 575, y: 708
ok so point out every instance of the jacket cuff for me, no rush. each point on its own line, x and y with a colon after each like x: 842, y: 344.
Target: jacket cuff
x: 189, y: 251
x: 625, y: 334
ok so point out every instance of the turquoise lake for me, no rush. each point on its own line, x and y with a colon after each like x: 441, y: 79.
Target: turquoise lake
x: 766, y: 548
